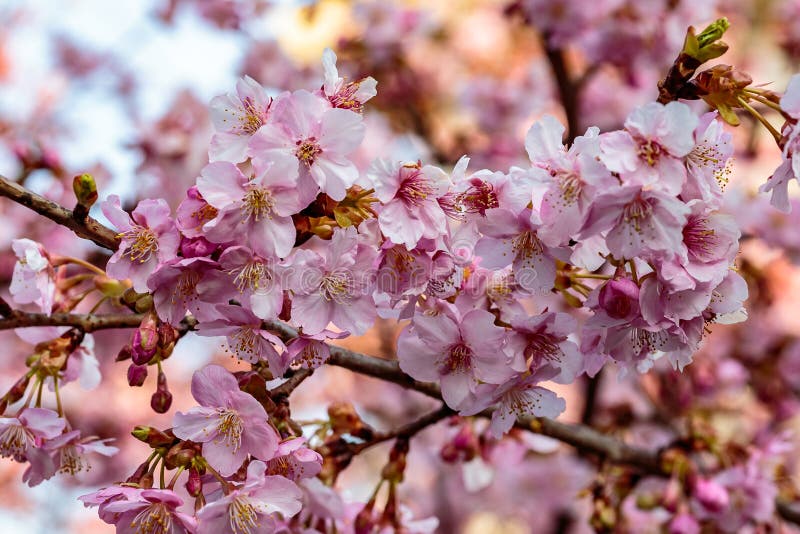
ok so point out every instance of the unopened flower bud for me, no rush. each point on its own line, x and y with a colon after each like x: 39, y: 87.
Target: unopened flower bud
x: 179, y: 455
x: 124, y: 353
x: 162, y: 398
x: 137, y: 374
x: 711, y: 495
x: 85, y: 190
x: 193, y: 247
x: 619, y: 298
x: 167, y: 335
x: 144, y: 303
x: 145, y: 340
x: 195, y: 483
x: 152, y: 436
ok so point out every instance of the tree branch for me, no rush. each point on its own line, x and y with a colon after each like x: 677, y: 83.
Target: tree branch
x: 84, y: 322
x: 567, y: 88
x: 87, y: 228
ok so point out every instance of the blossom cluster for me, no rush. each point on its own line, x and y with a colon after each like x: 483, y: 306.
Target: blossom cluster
x: 610, y: 250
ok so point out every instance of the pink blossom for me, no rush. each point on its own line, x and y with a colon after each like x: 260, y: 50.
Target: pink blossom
x: 174, y: 288
x: 236, y: 118
x: 148, y: 238
x: 619, y: 298
x: 149, y: 510
x: 542, y: 340
x: 254, y: 211
x: 229, y: 423
x: 20, y: 436
x: 303, y: 126
x: 565, y: 181
x: 708, y: 163
x: 408, y: 193
x: 519, y: 397
x: 105, y: 496
x: 711, y: 242
x: 294, y: 460
x: 245, y: 337
x: 789, y: 168
x: 513, y: 239
x: 458, y: 352
x: 650, y: 151
x: 639, y: 222
x: 341, y: 94
x: 335, y: 287
x: 252, y: 507
x: 33, y: 280
x: 193, y: 213
x: 311, y: 351
x: 66, y: 454
x: 254, y: 281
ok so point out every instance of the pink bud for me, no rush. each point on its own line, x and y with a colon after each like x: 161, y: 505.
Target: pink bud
x: 162, y: 398
x: 193, y: 247
x: 136, y: 375
x: 195, y: 483
x: 711, y: 495
x: 145, y: 340
x: 684, y: 524
x: 619, y: 298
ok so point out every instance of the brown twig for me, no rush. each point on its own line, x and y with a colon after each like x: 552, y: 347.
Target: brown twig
x: 88, y: 228
x: 406, y: 431
x: 567, y: 88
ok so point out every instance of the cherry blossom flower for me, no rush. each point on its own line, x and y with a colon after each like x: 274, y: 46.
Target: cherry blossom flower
x: 66, y: 454
x: 255, y: 211
x: 254, y: 281
x: 311, y: 351
x: 334, y: 288
x: 33, y: 280
x: 175, y: 290
x: 245, y: 337
x: 789, y: 168
x: 229, y: 423
x: 341, y: 94
x: 303, y: 126
x: 20, y: 436
x: 650, y: 151
x: 573, y: 177
x: 148, y: 238
x: 543, y: 341
x: 149, y: 510
x: 236, y: 118
x: 294, y: 460
x: 458, y: 352
x: 513, y: 239
x: 408, y: 193
x: 253, y: 506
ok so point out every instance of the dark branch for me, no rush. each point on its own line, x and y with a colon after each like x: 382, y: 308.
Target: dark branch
x: 87, y: 228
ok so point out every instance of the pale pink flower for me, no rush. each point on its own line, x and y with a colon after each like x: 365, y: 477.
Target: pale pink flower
x: 564, y: 181
x: 334, y: 288
x: 457, y: 352
x: 255, y: 211
x: 639, y: 222
x: 148, y: 239
x: 149, y: 510
x: 519, y: 397
x: 245, y: 276
x: 33, y: 280
x: 341, y: 94
x: 175, y: 290
x: 321, y: 138
x: 542, y: 340
x: 294, y: 460
x: 229, y: 423
x: 20, y: 436
x: 245, y: 337
x: 789, y: 168
x: 513, y: 239
x: 311, y: 350
x: 708, y: 163
x: 408, y: 193
x: 236, y: 118
x: 252, y: 507
x: 651, y: 148
x: 66, y: 453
